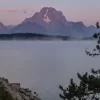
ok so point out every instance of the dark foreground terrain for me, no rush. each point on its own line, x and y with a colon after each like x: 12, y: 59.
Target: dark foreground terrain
x: 35, y: 36
x: 31, y: 36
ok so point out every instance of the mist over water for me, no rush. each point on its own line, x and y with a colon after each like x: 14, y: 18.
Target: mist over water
x: 44, y: 65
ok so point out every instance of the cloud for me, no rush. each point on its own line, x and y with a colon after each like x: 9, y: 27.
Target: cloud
x: 17, y: 11
x: 10, y: 10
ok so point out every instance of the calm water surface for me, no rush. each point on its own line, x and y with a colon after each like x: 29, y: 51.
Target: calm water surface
x: 43, y: 66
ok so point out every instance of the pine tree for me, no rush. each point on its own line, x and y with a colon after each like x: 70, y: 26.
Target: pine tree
x: 87, y: 89
x: 96, y: 50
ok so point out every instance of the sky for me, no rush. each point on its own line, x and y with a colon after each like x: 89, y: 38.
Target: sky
x: 13, y: 12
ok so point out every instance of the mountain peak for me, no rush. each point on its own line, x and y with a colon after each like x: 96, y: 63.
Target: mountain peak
x: 80, y: 22
x: 51, y: 14
x: 45, y: 11
x: 45, y: 8
x: 3, y: 28
x: 47, y: 15
x: 1, y: 24
x: 91, y: 26
x: 51, y: 21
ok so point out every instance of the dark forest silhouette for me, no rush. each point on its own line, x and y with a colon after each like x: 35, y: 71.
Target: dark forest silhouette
x: 31, y: 36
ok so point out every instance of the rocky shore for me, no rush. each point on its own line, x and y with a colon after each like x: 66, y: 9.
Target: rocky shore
x: 15, y: 92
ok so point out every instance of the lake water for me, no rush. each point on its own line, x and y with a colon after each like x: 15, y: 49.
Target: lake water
x: 44, y: 65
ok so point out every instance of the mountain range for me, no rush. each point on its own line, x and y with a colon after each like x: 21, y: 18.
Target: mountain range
x: 50, y: 21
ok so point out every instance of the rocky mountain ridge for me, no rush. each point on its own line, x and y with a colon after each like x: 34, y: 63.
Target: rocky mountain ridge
x: 50, y: 21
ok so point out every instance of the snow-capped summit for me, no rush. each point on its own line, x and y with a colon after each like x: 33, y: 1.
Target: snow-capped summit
x: 46, y: 18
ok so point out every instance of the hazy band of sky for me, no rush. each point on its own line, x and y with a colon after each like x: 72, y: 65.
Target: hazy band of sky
x: 15, y: 11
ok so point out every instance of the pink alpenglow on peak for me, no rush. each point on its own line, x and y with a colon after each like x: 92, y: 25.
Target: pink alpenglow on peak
x: 46, y: 18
